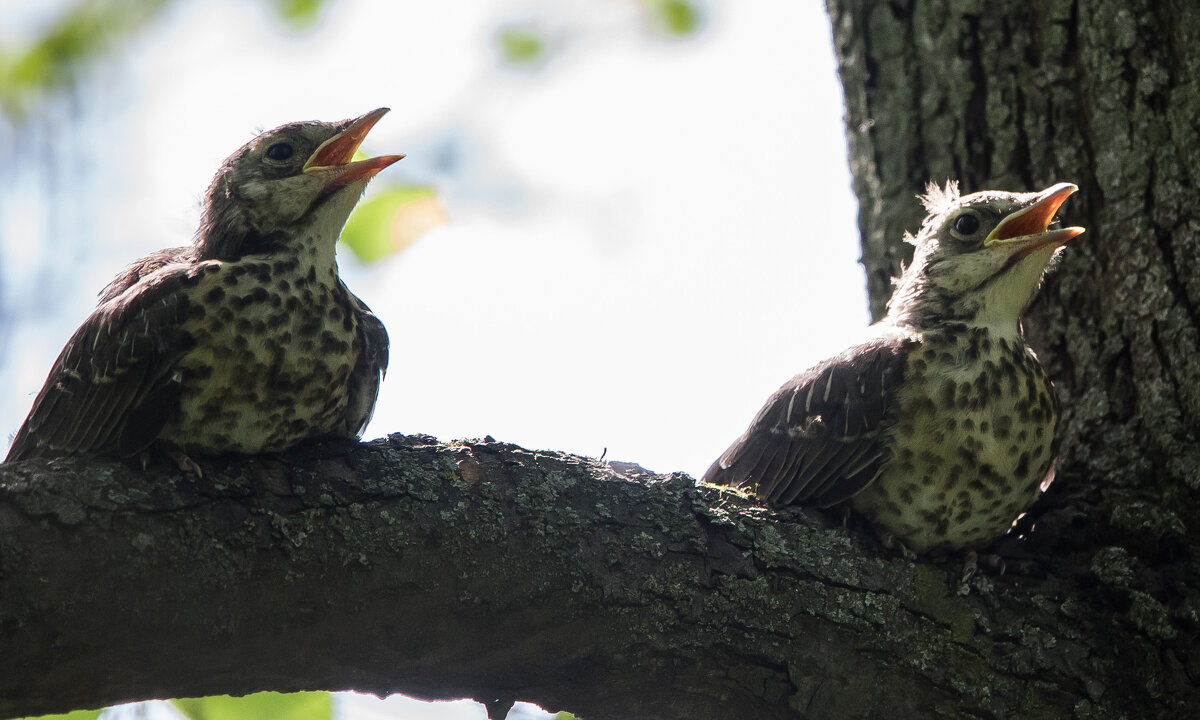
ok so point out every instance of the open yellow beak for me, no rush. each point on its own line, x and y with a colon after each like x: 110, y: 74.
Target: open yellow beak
x: 334, y: 155
x: 1026, y: 230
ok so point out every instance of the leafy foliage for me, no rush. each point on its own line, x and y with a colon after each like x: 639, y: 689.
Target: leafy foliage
x: 674, y: 17
x: 299, y: 13
x: 273, y: 705
x: 86, y: 32
x: 73, y: 715
x: 391, y: 220
x: 521, y: 45
x: 81, y: 34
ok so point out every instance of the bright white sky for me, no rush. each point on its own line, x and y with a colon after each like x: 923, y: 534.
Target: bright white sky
x: 648, y: 236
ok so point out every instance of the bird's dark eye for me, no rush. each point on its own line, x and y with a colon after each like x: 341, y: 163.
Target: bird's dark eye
x: 966, y: 224
x: 280, y: 151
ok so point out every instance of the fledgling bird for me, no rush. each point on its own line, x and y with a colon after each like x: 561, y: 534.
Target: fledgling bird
x: 247, y: 341
x: 940, y: 428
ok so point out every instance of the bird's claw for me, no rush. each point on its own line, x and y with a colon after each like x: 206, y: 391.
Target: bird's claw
x: 182, y: 461
x: 972, y: 560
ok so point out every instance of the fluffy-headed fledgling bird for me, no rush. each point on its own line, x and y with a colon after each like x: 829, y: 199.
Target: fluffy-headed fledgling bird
x: 247, y: 341
x: 939, y: 428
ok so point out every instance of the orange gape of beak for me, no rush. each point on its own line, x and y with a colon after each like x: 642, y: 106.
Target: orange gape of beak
x: 333, y: 156
x: 1026, y: 230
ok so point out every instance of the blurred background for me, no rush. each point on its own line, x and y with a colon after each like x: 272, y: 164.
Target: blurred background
x: 620, y: 226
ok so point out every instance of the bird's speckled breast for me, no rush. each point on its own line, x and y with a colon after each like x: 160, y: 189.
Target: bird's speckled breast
x: 973, y: 440
x: 275, y: 343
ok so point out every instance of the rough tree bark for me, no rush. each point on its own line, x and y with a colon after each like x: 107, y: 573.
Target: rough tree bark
x: 1103, y: 93
x: 486, y: 571
x: 483, y: 570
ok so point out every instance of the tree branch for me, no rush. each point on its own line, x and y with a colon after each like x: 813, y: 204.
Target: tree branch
x: 483, y: 570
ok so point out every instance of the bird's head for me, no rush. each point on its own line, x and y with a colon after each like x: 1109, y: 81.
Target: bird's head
x: 297, y: 180
x: 979, y: 257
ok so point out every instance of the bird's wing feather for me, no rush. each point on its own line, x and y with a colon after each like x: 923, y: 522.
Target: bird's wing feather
x: 821, y: 437
x: 369, y: 369
x: 141, y: 268
x: 110, y: 388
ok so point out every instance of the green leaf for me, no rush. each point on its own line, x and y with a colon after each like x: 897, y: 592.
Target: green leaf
x: 674, y: 17
x: 391, y: 220
x: 299, y: 13
x: 521, y: 45
x: 82, y: 33
x: 86, y: 32
x: 73, y: 715
x: 273, y: 705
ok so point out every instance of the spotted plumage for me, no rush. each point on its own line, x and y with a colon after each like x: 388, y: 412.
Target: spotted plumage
x: 246, y: 341
x: 940, y: 427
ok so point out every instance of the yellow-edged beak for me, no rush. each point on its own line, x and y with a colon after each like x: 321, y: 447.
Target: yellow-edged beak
x: 333, y: 156
x: 1026, y: 230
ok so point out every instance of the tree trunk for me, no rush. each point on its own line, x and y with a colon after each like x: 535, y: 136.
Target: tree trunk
x: 1105, y: 94
x: 483, y: 570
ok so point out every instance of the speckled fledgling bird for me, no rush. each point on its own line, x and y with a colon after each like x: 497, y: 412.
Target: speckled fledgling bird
x: 940, y: 427
x: 246, y: 341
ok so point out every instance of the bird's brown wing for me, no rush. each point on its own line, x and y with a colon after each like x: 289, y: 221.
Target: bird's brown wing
x: 370, y: 368
x: 143, y: 267
x: 111, y: 388
x: 820, y: 437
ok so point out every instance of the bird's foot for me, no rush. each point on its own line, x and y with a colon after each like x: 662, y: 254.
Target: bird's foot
x: 972, y: 561
x: 889, y: 541
x: 182, y: 461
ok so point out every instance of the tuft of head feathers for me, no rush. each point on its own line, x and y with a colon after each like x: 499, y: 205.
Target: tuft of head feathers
x: 936, y: 199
